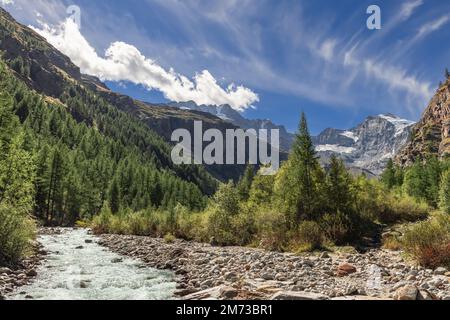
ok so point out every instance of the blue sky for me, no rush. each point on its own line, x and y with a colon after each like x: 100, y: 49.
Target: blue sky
x: 283, y: 57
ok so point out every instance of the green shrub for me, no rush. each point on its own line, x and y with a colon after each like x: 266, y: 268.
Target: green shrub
x: 16, y: 232
x: 101, y: 223
x: 335, y: 228
x: 271, y: 229
x: 308, y: 237
x: 429, y: 241
x: 169, y: 238
x: 401, y: 208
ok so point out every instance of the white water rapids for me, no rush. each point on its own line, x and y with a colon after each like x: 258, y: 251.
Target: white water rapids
x: 76, y: 269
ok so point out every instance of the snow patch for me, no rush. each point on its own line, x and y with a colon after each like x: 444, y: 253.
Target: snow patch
x: 400, y: 124
x: 351, y: 135
x: 334, y: 148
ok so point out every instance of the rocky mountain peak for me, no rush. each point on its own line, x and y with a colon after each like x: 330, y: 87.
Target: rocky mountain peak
x: 431, y: 135
x: 369, y: 145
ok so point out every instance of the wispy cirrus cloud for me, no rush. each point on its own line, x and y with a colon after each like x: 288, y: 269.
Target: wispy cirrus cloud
x: 408, y: 8
x: 433, y: 25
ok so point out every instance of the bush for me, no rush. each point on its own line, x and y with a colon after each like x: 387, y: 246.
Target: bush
x: 308, y: 237
x: 335, y: 228
x: 101, y: 223
x: 16, y: 232
x: 401, y: 209
x: 271, y: 229
x: 429, y: 241
x: 169, y: 238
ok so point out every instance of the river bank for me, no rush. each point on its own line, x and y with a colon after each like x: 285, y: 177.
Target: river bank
x: 22, y: 274
x: 205, y: 272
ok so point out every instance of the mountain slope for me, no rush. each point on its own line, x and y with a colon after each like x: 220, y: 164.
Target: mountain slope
x: 368, y: 146
x: 431, y: 135
x: 46, y: 81
x: 226, y: 113
x: 46, y: 70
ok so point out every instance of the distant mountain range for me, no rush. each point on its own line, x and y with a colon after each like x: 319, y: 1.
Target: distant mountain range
x: 365, y: 148
x: 227, y: 113
x: 369, y: 146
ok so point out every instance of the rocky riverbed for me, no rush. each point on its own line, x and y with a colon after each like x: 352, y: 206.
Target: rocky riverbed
x: 21, y: 274
x: 205, y: 272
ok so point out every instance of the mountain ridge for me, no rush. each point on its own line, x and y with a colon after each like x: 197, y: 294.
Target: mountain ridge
x: 431, y: 135
x: 369, y: 145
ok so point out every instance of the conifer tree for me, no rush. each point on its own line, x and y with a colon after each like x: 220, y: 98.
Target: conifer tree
x: 299, y: 183
x: 389, y: 175
x: 338, y: 184
x: 114, y: 196
x: 444, y: 193
x: 245, y: 183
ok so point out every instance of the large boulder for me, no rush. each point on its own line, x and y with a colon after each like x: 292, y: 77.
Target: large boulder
x: 345, y: 269
x: 408, y: 292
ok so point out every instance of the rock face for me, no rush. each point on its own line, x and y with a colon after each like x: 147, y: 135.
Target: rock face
x: 431, y: 135
x: 368, y: 147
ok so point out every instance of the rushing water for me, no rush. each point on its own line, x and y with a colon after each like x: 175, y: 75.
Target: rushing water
x: 76, y: 270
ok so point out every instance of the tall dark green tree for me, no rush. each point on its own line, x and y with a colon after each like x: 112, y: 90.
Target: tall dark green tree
x: 55, y: 194
x: 338, y: 187
x: 245, y: 183
x: 389, y: 175
x: 114, y: 196
x: 299, y: 183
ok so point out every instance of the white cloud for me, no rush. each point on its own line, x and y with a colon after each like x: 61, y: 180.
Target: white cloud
x: 326, y: 50
x: 408, y: 8
x: 6, y: 2
x: 433, y: 26
x: 124, y: 62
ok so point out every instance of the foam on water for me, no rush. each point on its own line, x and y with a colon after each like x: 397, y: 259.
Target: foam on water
x: 89, y: 274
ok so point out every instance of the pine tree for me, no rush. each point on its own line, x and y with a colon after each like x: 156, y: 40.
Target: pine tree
x: 55, y: 188
x: 433, y: 175
x: 338, y: 184
x: 447, y: 73
x: 415, y: 183
x: 245, y: 183
x: 114, y: 196
x: 299, y: 183
x: 444, y: 193
x: 42, y: 183
x: 389, y: 175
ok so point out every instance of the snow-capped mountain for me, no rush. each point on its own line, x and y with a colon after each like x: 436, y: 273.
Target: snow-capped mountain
x: 226, y: 113
x: 365, y: 148
x: 369, y: 146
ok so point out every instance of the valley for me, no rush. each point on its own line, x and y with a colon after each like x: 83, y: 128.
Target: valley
x: 93, y: 205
